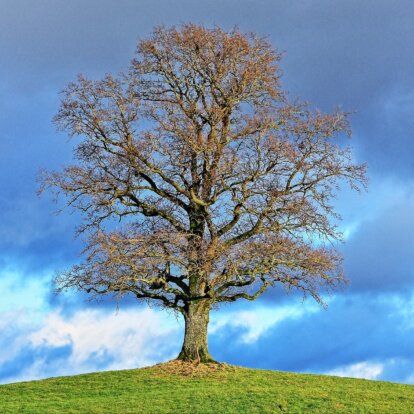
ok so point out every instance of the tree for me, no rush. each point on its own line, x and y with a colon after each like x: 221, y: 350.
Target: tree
x: 222, y: 187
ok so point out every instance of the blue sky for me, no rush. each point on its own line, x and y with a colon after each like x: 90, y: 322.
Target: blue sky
x: 352, y: 54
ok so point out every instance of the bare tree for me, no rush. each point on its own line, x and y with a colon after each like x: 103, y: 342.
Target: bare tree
x: 224, y: 188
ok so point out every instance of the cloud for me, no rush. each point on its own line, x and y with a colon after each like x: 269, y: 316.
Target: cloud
x: 347, y: 339
x: 378, y: 253
x: 125, y: 335
x: 392, y: 369
x: 43, y: 337
x: 89, y: 340
x: 256, y: 321
x: 20, y: 291
x: 375, y: 331
x: 367, y: 370
x: 383, y: 132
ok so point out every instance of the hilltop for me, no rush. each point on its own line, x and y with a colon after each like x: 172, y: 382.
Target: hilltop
x: 177, y: 387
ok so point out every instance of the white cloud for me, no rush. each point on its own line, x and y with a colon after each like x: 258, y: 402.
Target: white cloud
x: 129, y: 338
x: 95, y: 339
x: 365, y: 369
x: 12, y: 325
x: 258, y: 321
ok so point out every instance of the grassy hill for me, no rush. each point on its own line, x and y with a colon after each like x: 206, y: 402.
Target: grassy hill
x: 183, y: 388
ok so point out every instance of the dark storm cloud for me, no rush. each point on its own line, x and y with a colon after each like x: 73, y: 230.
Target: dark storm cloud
x: 378, y: 255
x: 355, y: 54
x: 337, y: 52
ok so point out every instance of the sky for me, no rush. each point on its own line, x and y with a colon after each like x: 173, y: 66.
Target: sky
x: 354, y: 55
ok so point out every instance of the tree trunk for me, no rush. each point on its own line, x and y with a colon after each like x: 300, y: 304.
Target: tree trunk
x: 195, y: 346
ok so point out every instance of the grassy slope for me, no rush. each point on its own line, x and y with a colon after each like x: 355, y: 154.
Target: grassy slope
x: 225, y: 390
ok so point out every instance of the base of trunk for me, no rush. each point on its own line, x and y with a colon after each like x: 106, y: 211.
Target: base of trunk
x: 199, y: 356
x: 195, y: 348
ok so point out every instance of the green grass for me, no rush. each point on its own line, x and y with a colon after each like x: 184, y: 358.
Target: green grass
x: 225, y: 390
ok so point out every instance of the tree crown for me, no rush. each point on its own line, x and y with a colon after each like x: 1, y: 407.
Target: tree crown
x: 223, y: 185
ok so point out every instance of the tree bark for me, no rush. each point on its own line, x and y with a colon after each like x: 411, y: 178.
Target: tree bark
x: 195, y: 347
